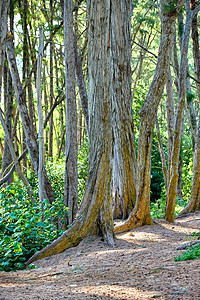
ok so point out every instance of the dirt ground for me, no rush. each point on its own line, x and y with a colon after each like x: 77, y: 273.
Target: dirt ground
x: 141, y: 266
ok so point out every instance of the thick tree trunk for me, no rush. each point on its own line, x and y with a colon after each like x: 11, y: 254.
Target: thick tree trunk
x: 71, y: 172
x: 124, y: 152
x: 95, y: 213
x: 141, y: 213
x: 27, y: 126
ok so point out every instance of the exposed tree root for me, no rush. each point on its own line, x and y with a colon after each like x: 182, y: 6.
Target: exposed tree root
x: 188, y: 245
x: 95, y: 214
x: 134, y: 221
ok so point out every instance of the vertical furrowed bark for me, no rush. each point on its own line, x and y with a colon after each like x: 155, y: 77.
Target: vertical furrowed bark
x: 124, y: 161
x: 71, y: 173
x: 141, y: 213
x: 172, y: 189
x: 42, y: 194
x: 3, y: 30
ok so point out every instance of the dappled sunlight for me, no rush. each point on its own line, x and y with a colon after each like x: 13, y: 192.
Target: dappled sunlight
x: 142, y: 236
x: 119, y: 291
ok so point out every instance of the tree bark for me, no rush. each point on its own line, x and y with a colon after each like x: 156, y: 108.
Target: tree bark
x: 104, y: 93
x: 42, y: 193
x: 172, y: 190
x: 4, y: 5
x: 141, y: 212
x: 8, y: 101
x: 124, y: 152
x: 51, y: 84
x: 71, y: 171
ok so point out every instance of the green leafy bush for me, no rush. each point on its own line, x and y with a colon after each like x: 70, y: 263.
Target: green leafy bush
x: 24, y: 229
x: 192, y: 253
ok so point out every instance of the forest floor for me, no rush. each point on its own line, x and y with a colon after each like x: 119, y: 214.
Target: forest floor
x: 141, y: 266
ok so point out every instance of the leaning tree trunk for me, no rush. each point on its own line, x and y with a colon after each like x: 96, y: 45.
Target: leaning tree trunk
x: 172, y: 189
x: 194, y: 203
x: 141, y: 213
x: 95, y: 213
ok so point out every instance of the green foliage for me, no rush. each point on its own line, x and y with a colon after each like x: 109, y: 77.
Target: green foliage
x: 171, y: 7
x: 196, y: 234
x: 192, y: 253
x: 189, y: 96
x: 158, y: 207
x: 24, y: 227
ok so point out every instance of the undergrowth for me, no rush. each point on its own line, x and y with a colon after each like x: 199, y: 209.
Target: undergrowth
x: 192, y: 253
x: 24, y: 227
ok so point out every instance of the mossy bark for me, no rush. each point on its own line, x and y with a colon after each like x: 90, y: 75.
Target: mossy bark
x: 141, y: 212
x: 173, y: 172
x: 108, y: 101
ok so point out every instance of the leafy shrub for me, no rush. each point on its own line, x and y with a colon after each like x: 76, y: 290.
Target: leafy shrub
x: 192, y: 253
x: 158, y: 207
x: 24, y: 229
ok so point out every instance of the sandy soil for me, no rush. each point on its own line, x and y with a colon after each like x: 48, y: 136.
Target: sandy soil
x: 141, y: 266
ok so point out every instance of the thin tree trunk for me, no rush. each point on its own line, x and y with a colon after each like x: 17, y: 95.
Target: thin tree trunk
x: 194, y: 203
x: 162, y: 154
x: 71, y: 172
x: 51, y: 86
x: 42, y: 194
x: 14, y: 157
x: 8, y: 98
x: 27, y: 126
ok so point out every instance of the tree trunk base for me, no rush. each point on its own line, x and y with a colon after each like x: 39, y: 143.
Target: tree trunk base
x: 133, y: 222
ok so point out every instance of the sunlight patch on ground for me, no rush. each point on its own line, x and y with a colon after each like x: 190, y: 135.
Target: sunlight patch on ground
x: 143, y: 236
x: 118, y: 291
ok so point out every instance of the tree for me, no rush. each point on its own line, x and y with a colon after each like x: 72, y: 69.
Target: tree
x: 107, y: 102
x: 71, y: 173
x: 141, y: 212
x: 194, y: 203
x: 172, y: 188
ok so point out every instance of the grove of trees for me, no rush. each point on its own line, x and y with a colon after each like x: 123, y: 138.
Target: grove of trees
x: 121, y: 77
